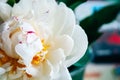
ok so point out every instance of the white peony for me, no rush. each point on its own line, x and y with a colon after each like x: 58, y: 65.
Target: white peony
x: 39, y: 39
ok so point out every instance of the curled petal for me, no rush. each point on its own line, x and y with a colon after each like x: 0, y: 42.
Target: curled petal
x: 80, y: 46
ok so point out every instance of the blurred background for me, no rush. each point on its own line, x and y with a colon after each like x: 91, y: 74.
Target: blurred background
x: 101, y: 21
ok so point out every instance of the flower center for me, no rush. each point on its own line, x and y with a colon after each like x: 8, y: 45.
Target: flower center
x: 41, y: 56
x: 13, y: 62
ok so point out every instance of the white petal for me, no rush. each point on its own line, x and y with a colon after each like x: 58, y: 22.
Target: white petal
x: 15, y: 75
x: 3, y: 1
x: 25, y: 53
x: 36, y: 45
x: 22, y: 8
x: 64, y: 20
x: 7, y: 44
x: 3, y: 27
x: 2, y: 71
x: 32, y: 71
x: 31, y: 38
x: 5, y: 11
x: 3, y: 77
x: 43, y: 10
x: 46, y: 68
x: 65, y: 42
x: 56, y: 56
x: 81, y: 43
x: 28, y: 51
x: 26, y: 27
x: 44, y: 71
x: 63, y: 74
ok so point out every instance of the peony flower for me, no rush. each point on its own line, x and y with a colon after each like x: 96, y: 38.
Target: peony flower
x: 39, y: 40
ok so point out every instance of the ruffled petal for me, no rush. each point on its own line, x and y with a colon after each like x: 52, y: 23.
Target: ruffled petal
x: 80, y: 46
x: 5, y: 11
x: 64, y: 20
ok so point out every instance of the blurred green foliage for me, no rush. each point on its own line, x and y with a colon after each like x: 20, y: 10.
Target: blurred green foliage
x: 72, y: 3
x: 92, y: 23
x: 12, y: 2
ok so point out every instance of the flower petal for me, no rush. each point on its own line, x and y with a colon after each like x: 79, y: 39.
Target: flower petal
x: 3, y: 1
x: 7, y: 44
x: 3, y: 77
x: 63, y: 74
x: 2, y: 71
x: 27, y: 27
x: 43, y: 10
x: 25, y: 53
x: 65, y: 42
x: 81, y: 43
x: 44, y: 71
x: 32, y: 70
x: 5, y: 11
x: 28, y: 51
x: 22, y: 8
x: 64, y: 20
x: 46, y: 67
x: 15, y: 75
x: 56, y: 56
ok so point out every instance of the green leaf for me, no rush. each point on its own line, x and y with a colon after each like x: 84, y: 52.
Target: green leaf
x: 92, y: 23
x: 78, y: 69
x: 11, y: 2
x: 72, y: 3
x: 84, y: 60
x: 73, y: 6
x: 78, y: 74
